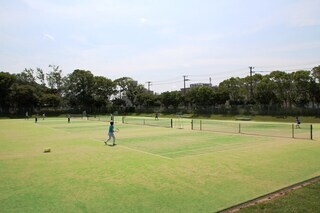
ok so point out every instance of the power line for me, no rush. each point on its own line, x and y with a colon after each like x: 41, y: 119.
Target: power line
x: 218, y: 73
x: 223, y: 75
x: 296, y: 65
x: 288, y: 70
x: 164, y: 83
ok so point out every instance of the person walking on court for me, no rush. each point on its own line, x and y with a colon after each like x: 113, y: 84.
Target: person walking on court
x: 298, y: 122
x: 111, y: 134
x: 69, y: 118
x: 36, y: 118
x: 156, y: 116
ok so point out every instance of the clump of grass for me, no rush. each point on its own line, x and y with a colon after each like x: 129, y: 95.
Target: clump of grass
x: 305, y: 199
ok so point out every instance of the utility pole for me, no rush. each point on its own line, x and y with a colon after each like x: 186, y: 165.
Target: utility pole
x: 149, y: 83
x: 184, y: 83
x: 251, y: 88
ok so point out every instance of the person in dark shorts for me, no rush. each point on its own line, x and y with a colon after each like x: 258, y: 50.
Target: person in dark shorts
x: 298, y: 122
x: 36, y: 118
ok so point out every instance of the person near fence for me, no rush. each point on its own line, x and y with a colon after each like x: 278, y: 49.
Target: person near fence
x: 298, y: 122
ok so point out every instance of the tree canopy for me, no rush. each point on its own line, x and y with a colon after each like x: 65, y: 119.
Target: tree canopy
x: 81, y: 90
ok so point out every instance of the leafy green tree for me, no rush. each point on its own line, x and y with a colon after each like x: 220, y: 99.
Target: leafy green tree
x: 6, y: 81
x: 255, y: 79
x: 314, y: 93
x: 302, y: 87
x: 133, y: 90
x: 316, y: 73
x: 147, y: 99
x: 201, y: 97
x: 40, y: 76
x: 79, y: 89
x: 219, y: 96
x: 51, y: 100
x: 55, y: 79
x: 26, y: 76
x: 23, y: 97
x: 119, y: 103
x: 103, y: 89
x: 283, y: 87
x: 173, y: 99
x: 235, y: 88
x: 315, y: 86
x: 123, y: 84
x: 264, y: 92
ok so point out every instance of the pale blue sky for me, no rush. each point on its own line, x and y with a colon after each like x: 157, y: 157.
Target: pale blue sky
x: 160, y: 40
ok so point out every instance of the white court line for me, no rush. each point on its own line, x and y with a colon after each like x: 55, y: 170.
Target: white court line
x: 241, y: 148
x: 138, y: 150
x: 234, y: 146
x: 149, y: 153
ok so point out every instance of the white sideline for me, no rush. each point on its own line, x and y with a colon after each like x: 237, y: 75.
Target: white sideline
x: 149, y: 153
x: 137, y: 150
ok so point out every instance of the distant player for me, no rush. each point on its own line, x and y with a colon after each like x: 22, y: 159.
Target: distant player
x: 298, y: 122
x: 111, y: 134
x: 156, y: 116
x: 36, y: 118
x: 69, y: 117
x: 43, y: 116
x: 27, y: 116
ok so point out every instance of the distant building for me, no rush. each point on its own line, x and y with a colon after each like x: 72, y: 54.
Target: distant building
x: 196, y: 85
x: 200, y: 85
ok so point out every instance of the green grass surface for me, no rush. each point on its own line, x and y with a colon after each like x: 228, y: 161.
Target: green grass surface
x: 305, y: 199
x: 152, y: 169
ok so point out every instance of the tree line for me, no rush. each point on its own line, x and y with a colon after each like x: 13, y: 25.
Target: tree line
x: 34, y: 90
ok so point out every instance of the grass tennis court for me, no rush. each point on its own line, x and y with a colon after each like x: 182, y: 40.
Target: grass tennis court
x: 152, y: 169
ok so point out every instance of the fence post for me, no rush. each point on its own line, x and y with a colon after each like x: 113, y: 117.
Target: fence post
x: 144, y: 121
x: 311, y: 131
x: 200, y: 125
x: 292, y: 130
x: 239, y: 127
x: 171, y: 123
x: 123, y: 119
x: 192, y: 124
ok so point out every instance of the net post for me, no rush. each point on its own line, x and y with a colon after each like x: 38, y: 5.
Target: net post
x: 311, y: 136
x: 200, y: 125
x: 144, y: 121
x: 292, y: 130
x: 239, y: 127
x: 171, y: 123
x: 123, y: 119
x: 192, y: 124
